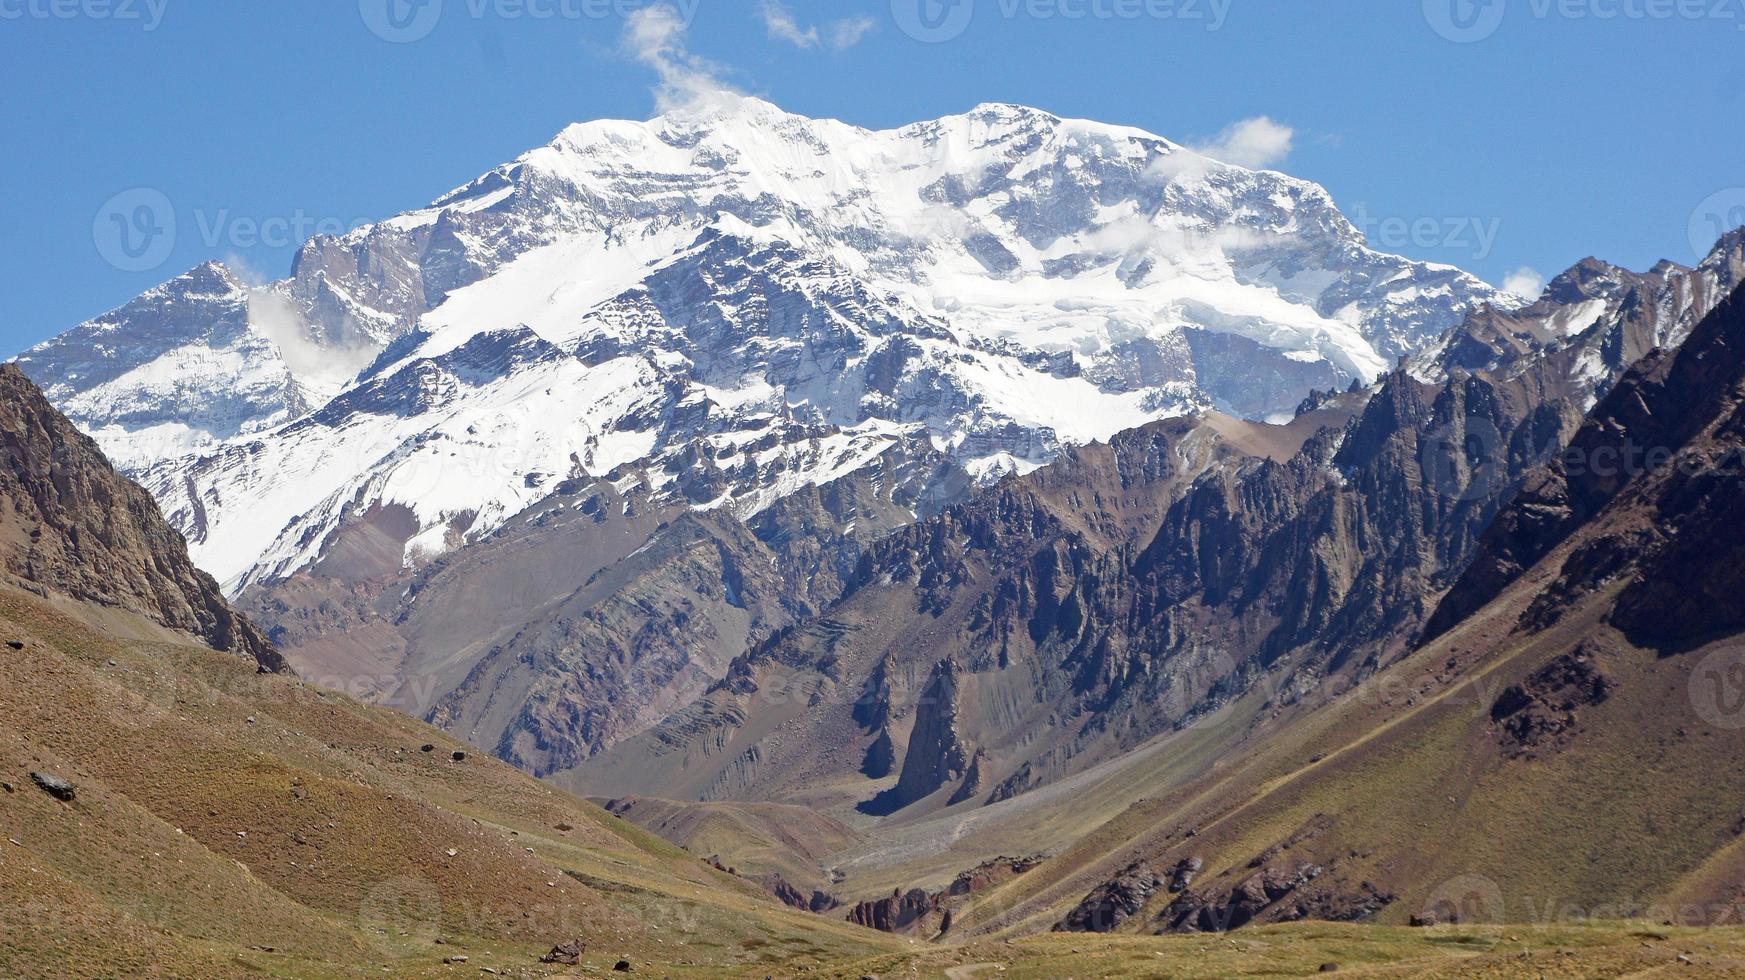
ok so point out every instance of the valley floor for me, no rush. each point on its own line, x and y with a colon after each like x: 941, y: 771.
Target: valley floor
x: 1608, y: 949
x: 1599, y: 949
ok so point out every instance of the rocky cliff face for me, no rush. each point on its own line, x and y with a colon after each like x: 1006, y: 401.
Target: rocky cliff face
x: 937, y: 755
x: 1661, y: 453
x: 72, y: 525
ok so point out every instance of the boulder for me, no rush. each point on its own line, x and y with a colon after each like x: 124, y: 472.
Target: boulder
x: 55, y: 786
x: 567, y: 954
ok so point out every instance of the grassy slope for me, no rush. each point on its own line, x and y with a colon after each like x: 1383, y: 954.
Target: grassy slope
x: 318, y: 830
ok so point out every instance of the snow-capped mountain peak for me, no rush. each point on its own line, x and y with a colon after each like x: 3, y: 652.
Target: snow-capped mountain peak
x: 993, y: 284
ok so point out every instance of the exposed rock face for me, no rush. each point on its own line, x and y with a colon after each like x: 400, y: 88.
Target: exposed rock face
x: 785, y: 892
x: 881, y: 756
x: 1664, y: 400
x: 901, y: 912
x: 919, y: 911
x: 937, y: 756
x: 1594, y: 321
x: 1296, y: 901
x: 55, y: 786
x: 566, y: 953
x: 975, y: 779
x: 991, y: 874
x: 1114, y: 901
x: 73, y: 525
x: 1184, y: 872
x: 1193, y: 912
x: 1542, y: 710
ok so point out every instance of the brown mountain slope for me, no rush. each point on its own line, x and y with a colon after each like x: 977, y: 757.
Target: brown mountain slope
x: 1569, y: 750
x: 174, y: 810
x: 73, y: 525
x: 592, y: 614
x: 229, y: 822
x: 824, y: 713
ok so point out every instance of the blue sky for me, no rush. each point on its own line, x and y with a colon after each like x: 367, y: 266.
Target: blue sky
x: 1491, y: 134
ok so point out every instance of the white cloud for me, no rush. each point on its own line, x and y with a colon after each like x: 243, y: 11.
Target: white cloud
x: 655, y: 36
x: 845, y: 34
x: 245, y: 270
x: 1255, y: 143
x: 273, y: 316
x: 783, y: 26
x: 1526, y: 282
x: 1181, y: 165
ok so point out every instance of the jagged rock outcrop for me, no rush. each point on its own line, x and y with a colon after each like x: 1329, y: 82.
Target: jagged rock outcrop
x: 819, y: 901
x: 937, y: 755
x: 71, y: 524
x: 1114, y: 901
x: 930, y: 913
x: 991, y: 874
x: 903, y: 911
x: 1542, y: 710
x: 1272, y: 894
